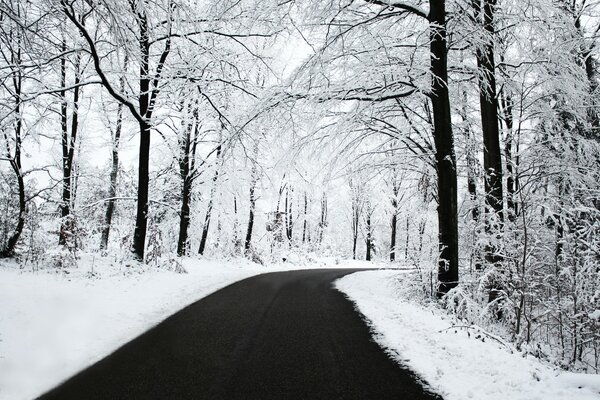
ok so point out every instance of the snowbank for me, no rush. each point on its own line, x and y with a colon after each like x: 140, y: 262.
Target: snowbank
x: 457, y: 363
x: 53, y: 325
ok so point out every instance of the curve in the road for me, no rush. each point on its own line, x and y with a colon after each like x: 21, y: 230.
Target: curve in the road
x: 282, y: 335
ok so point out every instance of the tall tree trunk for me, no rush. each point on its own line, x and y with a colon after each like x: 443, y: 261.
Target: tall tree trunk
x: 254, y: 181
x: 289, y: 216
x: 209, y: 208
x: 141, y: 216
x: 236, y: 238
x: 187, y: 162
x: 305, y: 222
x: 507, y: 108
x: 394, y: 224
x: 186, y: 187
x: 492, y: 154
x: 15, y: 161
x: 323, y: 221
x: 369, y: 239
x: 444, y: 144
x: 114, y: 169
x: 472, y: 162
x: 69, y: 139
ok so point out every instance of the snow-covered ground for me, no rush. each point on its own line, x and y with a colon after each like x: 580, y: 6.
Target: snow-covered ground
x: 458, y: 363
x: 52, y: 324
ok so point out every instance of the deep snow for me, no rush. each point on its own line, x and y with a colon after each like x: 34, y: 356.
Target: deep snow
x: 452, y: 361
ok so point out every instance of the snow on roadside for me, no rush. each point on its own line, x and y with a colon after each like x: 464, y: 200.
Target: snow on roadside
x: 452, y: 363
x: 52, y: 326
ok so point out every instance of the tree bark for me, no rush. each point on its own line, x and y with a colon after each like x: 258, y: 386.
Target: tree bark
x: 15, y: 161
x: 444, y: 144
x: 114, y: 170
x: 305, y: 222
x: 289, y: 217
x: 254, y: 181
x: 323, y: 222
x: 369, y: 239
x: 209, y: 208
x: 394, y: 224
x: 507, y: 108
x: 69, y: 139
x: 492, y: 154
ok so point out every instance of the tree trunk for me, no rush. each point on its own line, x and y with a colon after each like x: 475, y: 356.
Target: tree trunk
x: 394, y: 224
x: 305, y: 222
x: 288, y: 217
x: 393, y: 236
x: 369, y: 240
x: 492, y: 155
x: 250, y: 218
x: 15, y: 162
x: 507, y: 107
x: 323, y: 222
x: 254, y: 181
x: 68, y: 141
x: 472, y: 162
x: 210, y: 206
x: 141, y: 217
x: 114, y: 170
x: 444, y: 144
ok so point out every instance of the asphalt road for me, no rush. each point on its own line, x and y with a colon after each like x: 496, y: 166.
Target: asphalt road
x: 283, y: 335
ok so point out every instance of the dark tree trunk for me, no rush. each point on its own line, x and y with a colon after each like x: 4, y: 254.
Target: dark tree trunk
x: 112, y: 189
x: 355, y: 224
x: 407, y: 238
x: 394, y: 224
x: 209, y: 208
x: 236, y: 239
x: 186, y: 189
x: 472, y: 162
x: 444, y: 144
x: 248, y: 241
x: 114, y: 170
x: 15, y: 163
x: 323, y: 222
x: 184, y: 220
x: 369, y: 239
x: 141, y: 216
x: 254, y: 181
x: 492, y: 154
x: 289, y: 217
x: 305, y: 222
x: 511, y: 204
x: 69, y: 139
x: 393, y: 237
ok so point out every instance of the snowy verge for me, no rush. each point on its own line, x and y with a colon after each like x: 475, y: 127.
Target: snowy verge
x: 457, y: 363
x: 54, y: 324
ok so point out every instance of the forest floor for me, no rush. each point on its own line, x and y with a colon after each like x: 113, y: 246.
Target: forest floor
x: 458, y: 362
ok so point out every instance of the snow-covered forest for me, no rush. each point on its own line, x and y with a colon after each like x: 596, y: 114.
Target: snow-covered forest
x: 458, y: 138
